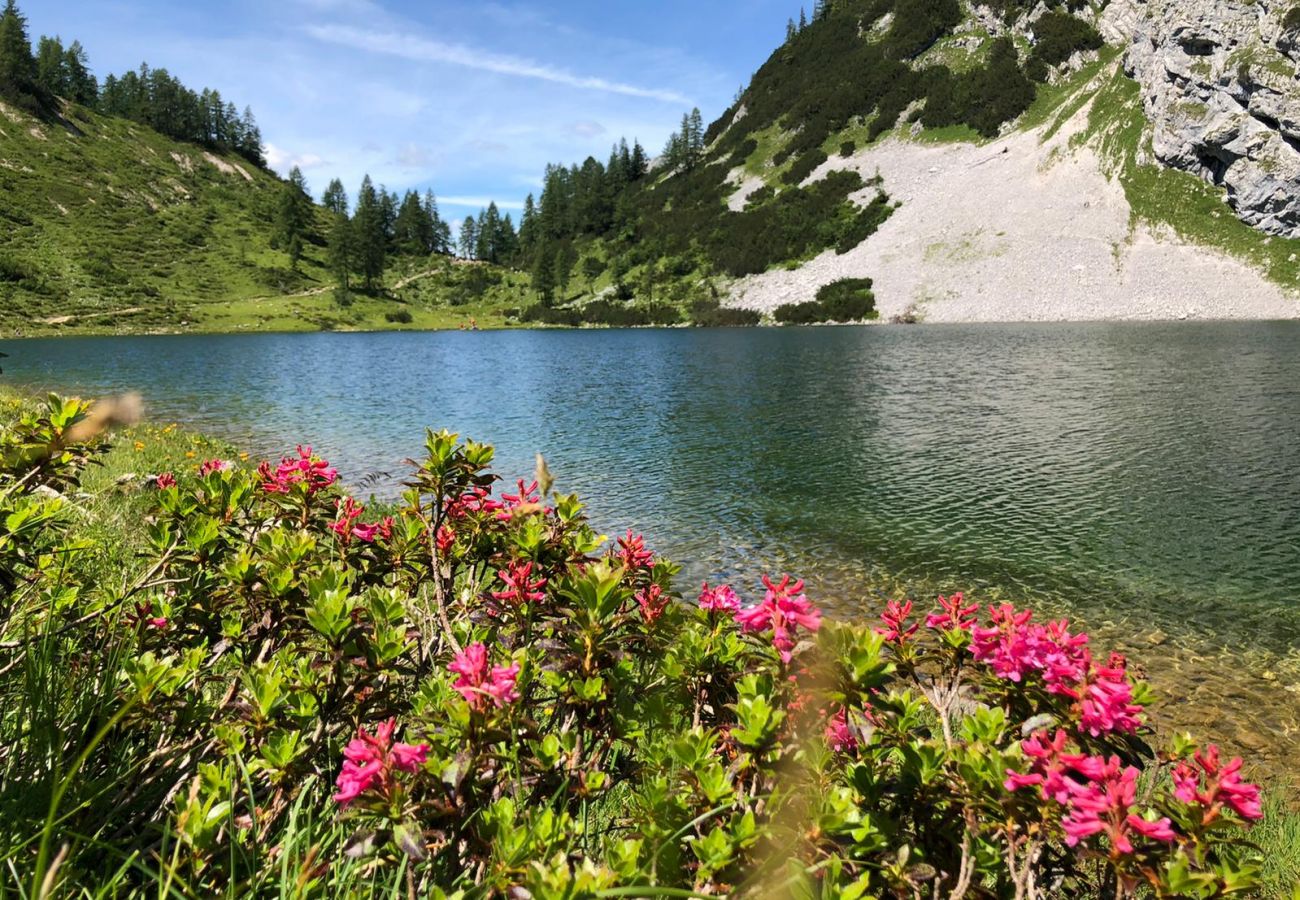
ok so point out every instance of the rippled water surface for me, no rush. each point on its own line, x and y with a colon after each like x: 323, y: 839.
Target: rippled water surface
x: 1144, y: 475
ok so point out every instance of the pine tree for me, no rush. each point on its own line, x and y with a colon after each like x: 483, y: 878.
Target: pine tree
x: 368, y: 234
x: 17, y: 67
x: 803, y: 19
x: 790, y: 31
x: 83, y: 87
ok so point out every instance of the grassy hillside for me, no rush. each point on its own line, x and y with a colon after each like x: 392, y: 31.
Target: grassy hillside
x: 106, y: 225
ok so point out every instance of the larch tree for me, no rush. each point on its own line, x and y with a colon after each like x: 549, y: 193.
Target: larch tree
x: 17, y: 66
x: 369, y: 235
x: 293, y: 217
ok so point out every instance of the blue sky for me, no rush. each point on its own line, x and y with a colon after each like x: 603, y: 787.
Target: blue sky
x: 469, y: 98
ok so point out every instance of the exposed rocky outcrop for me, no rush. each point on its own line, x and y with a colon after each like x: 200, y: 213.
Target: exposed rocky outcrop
x: 1221, y: 86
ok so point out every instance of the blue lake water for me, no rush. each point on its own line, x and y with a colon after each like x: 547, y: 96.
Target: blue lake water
x: 1141, y: 474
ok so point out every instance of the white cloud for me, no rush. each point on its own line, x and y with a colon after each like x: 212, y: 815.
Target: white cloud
x: 425, y: 50
x: 283, y: 161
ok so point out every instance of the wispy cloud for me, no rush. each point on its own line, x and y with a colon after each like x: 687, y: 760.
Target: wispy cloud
x: 426, y: 50
x: 282, y: 160
x: 476, y: 202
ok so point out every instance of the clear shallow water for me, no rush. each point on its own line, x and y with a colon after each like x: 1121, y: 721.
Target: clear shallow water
x: 1144, y: 476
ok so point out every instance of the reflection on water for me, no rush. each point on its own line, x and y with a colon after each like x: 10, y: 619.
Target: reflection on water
x: 1139, y: 475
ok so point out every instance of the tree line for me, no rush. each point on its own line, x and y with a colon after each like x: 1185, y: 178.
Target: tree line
x: 37, y: 81
x: 359, y: 238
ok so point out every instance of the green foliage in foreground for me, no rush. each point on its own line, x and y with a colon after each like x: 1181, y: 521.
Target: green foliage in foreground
x: 504, y: 705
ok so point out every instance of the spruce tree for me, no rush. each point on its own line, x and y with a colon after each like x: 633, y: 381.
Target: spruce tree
x: 803, y: 19
x: 342, y: 250
x: 790, y: 31
x: 17, y: 66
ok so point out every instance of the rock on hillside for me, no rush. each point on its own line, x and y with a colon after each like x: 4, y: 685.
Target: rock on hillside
x: 1221, y: 86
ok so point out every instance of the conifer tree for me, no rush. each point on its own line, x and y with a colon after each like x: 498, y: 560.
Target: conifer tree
x: 17, y: 66
x: 83, y: 87
x: 51, y: 67
x: 790, y: 31
x: 368, y: 234
x: 335, y: 198
x: 341, y: 247
x: 803, y: 19
x: 469, y: 238
x: 293, y: 216
x: 544, y: 276
x: 441, y: 231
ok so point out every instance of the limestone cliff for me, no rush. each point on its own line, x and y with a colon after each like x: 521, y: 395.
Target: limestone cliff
x: 1221, y: 87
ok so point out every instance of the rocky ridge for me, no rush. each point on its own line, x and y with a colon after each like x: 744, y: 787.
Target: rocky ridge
x: 1220, y: 84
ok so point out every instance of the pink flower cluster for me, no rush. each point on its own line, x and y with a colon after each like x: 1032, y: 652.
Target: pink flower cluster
x: 1015, y: 647
x: 214, y: 465
x: 477, y: 500
x: 371, y: 760
x: 632, y: 553
x: 308, y: 469
x: 348, y: 527
x: 520, y: 587
x: 956, y: 616
x: 719, y: 599
x: 653, y: 601
x: 165, y: 480
x: 1207, y: 782
x: 1099, y: 794
x: 839, y: 736
x: 144, y: 614
x: 784, y: 611
x: 483, y: 686
x: 895, y: 616
x: 525, y: 500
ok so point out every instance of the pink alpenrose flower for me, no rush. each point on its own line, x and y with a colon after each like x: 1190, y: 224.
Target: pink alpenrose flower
x: 784, y: 611
x: 369, y: 763
x: 719, y: 599
x: 480, y: 684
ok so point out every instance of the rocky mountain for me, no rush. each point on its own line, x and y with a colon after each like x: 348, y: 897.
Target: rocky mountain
x: 1221, y: 85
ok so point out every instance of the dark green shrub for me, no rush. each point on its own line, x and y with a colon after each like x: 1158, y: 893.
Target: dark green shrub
x: 804, y: 167
x: 848, y: 300
x: 711, y: 314
x: 1059, y: 35
x: 399, y: 317
x: 847, y: 148
x: 799, y: 313
x: 1291, y: 21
